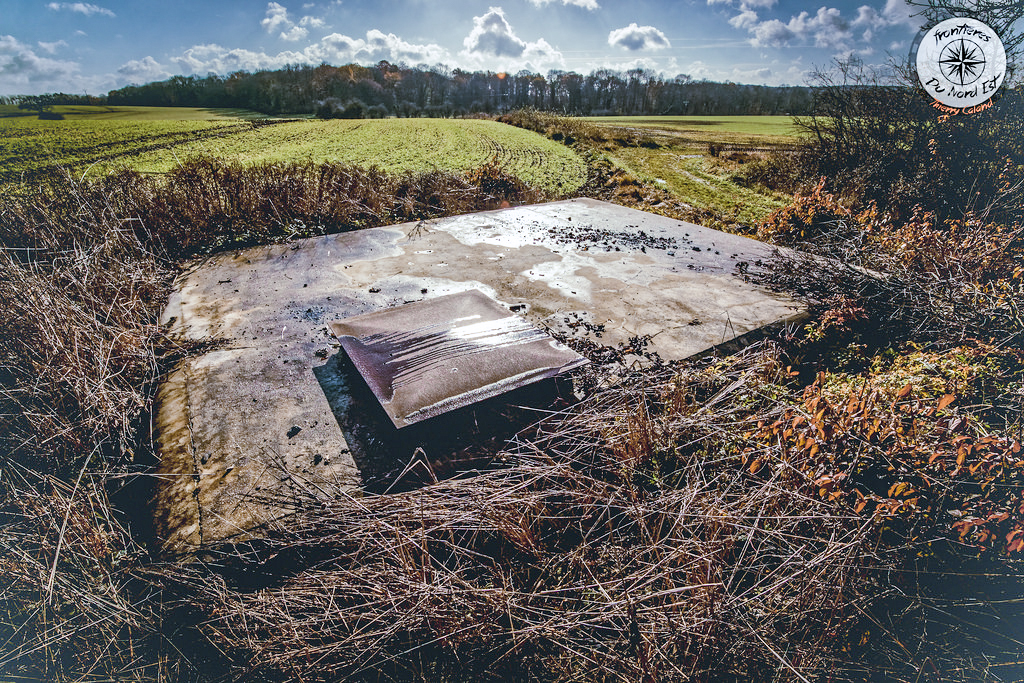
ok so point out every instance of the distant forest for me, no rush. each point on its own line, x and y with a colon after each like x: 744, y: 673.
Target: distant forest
x: 386, y: 89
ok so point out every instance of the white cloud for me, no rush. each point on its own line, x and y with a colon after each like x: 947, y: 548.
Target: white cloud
x: 699, y: 70
x: 745, y: 19
x: 771, y: 32
x: 493, y: 44
x: 748, y: 75
x: 276, y: 18
x: 776, y: 74
x: 870, y: 20
x: 51, y: 47
x: 899, y: 12
x: 332, y: 49
x: 294, y: 33
x: 143, y: 70
x: 895, y: 13
x: 869, y: 17
x: 645, y: 63
x: 85, y: 8
x: 379, y: 45
x: 80, y: 32
x: 541, y: 53
x: 635, y: 37
x: 336, y: 48
x: 745, y: 5
x: 828, y: 28
x: 585, y: 4
x: 23, y: 71
x: 493, y: 35
x: 201, y: 59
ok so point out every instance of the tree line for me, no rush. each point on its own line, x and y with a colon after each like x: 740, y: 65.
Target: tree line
x: 386, y: 89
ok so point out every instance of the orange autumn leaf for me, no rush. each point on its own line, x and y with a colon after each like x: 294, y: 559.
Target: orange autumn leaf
x: 899, y: 488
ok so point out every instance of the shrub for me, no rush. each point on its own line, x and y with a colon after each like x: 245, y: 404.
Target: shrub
x: 568, y: 130
x: 809, y: 218
x: 778, y: 171
x: 333, y: 108
x: 893, y: 445
x: 875, y: 139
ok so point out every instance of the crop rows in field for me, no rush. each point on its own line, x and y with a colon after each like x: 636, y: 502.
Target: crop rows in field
x: 31, y: 148
x: 97, y: 140
x: 393, y: 145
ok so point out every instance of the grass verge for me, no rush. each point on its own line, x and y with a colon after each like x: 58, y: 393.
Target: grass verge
x: 674, y: 166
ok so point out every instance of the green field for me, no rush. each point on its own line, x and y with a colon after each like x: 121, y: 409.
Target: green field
x: 81, y: 113
x: 694, y: 133
x: 393, y: 145
x: 702, y: 182
x: 94, y: 140
x: 672, y: 151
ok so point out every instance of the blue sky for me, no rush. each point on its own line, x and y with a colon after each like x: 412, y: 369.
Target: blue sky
x: 78, y: 47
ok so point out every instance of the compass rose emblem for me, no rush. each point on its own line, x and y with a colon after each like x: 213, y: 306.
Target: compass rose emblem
x: 961, y: 63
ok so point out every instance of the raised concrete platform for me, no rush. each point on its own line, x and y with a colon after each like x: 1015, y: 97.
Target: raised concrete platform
x: 270, y: 409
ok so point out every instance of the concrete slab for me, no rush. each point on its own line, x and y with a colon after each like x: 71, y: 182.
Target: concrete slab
x: 274, y: 408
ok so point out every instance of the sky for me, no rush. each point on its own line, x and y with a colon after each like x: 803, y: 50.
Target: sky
x: 87, y: 47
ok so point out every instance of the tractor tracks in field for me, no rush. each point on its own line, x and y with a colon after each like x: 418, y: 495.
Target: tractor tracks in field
x: 512, y: 158
x: 109, y: 151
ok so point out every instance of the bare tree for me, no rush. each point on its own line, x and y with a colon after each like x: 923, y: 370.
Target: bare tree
x: 1001, y: 15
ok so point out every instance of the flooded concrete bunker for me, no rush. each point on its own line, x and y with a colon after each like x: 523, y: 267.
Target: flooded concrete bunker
x: 295, y: 392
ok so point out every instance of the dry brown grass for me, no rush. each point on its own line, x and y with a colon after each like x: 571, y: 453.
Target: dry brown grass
x: 77, y: 361
x: 619, y: 542
x: 84, y: 272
